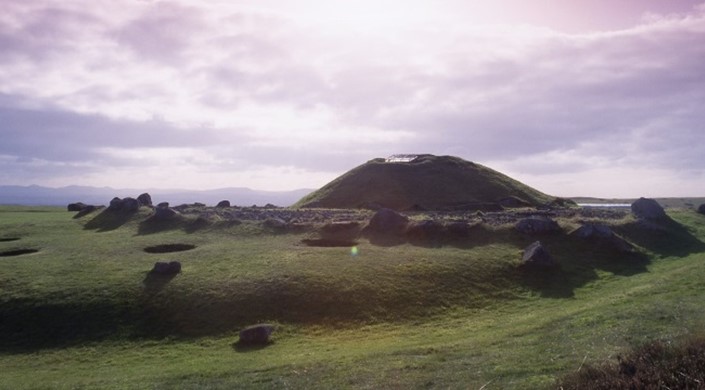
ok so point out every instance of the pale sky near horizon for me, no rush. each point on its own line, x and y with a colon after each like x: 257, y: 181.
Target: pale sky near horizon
x: 575, y: 98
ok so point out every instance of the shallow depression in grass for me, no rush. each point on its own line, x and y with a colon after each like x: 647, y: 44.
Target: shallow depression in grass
x: 327, y: 243
x: 18, y: 252
x: 8, y: 239
x: 168, y: 248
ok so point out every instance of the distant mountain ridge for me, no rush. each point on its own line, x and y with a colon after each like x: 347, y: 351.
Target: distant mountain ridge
x: 34, y: 195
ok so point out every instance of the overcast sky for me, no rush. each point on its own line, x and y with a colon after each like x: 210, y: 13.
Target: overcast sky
x: 583, y: 97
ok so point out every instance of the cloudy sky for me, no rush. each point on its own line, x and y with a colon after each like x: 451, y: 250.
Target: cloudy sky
x: 582, y: 97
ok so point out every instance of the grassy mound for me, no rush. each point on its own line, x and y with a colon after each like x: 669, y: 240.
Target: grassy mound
x: 427, y: 183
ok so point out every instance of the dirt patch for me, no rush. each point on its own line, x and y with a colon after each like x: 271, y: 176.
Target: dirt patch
x: 18, y: 252
x: 327, y: 243
x: 8, y: 239
x: 167, y: 248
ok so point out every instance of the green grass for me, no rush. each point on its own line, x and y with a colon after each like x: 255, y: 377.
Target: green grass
x: 81, y: 313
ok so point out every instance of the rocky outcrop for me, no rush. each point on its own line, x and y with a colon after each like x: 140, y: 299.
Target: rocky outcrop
x: 78, y: 206
x: 536, y: 255
x: 223, y: 204
x: 125, y: 205
x: 162, y: 213
x: 701, y: 209
x: 648, y: 209
x: 145, y: 200
x: 537, y: 224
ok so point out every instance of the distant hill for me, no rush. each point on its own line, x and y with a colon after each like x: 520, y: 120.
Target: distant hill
x: 37, y: 195
x: 427, y: 182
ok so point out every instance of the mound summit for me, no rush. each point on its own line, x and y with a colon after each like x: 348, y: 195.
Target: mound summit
x: 424, y: 182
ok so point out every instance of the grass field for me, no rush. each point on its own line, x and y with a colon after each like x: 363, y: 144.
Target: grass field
x: 82, y: 311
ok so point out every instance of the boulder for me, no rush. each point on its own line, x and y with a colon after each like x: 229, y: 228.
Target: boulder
x: 163, y: 268
x: 701, y: 209
x: 256, y: 334
x: 163, y: 205
x: 145, y: 200
x: 387, y: 222
x: 537, y: 224
x: 126, y: 205
x: 163, y: 213
x: 536, y: 255
x: 602, y: 233
x: 590, y: 231
x: 223, y: 204
x: 78, y: 206
x: 648, y: 209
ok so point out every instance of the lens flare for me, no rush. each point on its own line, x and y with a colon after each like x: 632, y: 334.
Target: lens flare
x: 353, y: 251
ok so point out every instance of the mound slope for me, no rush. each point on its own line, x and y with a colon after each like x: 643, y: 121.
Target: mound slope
x: 427, y: 183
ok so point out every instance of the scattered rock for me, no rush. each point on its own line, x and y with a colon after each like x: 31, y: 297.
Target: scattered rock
x: 537, y: 224
x: 223, y: 204
x: 648, y: 209
x: 256, y: 334
x: 78, y: 206
x: 145, y: 200
x: 126, y: 205
x: 701, y: 209
x: 163, y: 268
x: 537, y: 255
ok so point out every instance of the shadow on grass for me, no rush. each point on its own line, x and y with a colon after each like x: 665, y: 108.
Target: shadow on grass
x: 31, y: 326
x: 241, y: 347
x: 154, y: 225
x: 154, y: 282
x: 109, y: 220
x: 665, y: 237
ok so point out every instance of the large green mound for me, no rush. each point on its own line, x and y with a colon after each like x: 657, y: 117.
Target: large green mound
x: 427, y: 183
